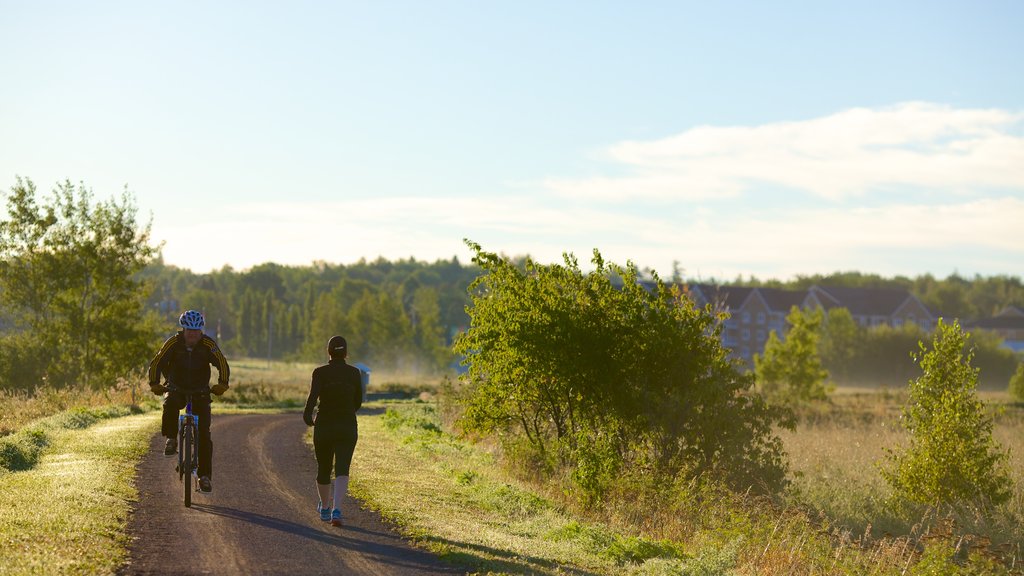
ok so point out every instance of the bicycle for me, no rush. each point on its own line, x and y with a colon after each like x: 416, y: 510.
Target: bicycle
x: 188, y: 450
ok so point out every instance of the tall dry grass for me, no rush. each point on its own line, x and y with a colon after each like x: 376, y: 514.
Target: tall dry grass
x: 20, y: 407
x: 835, y: 454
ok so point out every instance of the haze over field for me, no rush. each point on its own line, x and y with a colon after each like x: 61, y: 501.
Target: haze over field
x: 734, y: 138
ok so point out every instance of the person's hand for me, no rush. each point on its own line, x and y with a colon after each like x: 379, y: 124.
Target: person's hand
x: 157, y: 389
x: 219, y: 388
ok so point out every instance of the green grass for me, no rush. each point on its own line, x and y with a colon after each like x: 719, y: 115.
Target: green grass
x: 457, y: 500
x: 462, y: 501
x: 453, y: 499
x: 68, y: 512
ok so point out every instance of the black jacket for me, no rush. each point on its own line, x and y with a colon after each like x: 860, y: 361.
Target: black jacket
x: 188, y: 369
x: 339, y: 388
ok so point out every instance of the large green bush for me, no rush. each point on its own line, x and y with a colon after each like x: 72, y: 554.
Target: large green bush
x: 599, y: 375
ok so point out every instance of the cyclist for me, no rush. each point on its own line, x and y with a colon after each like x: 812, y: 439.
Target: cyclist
x: 338, y: 387
x: 184, y: 360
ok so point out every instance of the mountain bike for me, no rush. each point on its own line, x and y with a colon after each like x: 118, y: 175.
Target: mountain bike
x: 188, y: 450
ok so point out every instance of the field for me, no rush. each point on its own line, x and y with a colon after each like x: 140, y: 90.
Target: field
x: 834, y: 518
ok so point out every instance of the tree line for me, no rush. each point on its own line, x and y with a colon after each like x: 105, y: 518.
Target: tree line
x: 85, y: 295
x: 399, y: 315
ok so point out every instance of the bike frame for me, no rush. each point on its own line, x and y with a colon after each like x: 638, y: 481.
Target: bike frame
x: 188, y: 449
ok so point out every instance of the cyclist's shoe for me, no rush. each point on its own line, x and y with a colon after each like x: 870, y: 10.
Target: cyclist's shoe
x: 336, y: 517
x: 171, y: 447
x: 325, y: 513
x: 204, y: 484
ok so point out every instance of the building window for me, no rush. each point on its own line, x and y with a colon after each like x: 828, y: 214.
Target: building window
x: 760, y: 335
x: 897, y: 322
x: 760, y: 317
x: 746, y: 334
x: 746, y: 317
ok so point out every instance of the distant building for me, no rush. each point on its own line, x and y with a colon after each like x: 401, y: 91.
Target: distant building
x: 755, y: 312
x: 1008, y: 325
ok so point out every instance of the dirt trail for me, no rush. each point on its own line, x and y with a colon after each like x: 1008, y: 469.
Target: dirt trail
x: 260, y: 517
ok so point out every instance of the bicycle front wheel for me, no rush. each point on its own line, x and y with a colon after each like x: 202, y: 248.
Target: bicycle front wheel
x: 187, y: 447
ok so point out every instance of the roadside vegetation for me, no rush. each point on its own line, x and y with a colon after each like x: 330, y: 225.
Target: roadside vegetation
x: 469, y: 502
x: 464, y: 501
x: 66, y: 502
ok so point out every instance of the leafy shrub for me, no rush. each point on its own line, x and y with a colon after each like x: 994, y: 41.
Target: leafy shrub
x: 600, y: 374
x: 1017, y: 384
x: 952, y: 458
x: 789, y: 371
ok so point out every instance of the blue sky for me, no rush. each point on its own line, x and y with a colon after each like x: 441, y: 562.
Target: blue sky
x: 735, y: 138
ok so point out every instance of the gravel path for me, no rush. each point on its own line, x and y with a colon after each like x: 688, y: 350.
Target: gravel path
x: 260, y: 517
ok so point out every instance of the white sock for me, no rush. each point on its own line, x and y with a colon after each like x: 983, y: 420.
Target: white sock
x: 340, y: 490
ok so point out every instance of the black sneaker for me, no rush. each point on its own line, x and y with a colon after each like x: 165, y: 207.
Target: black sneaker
x: 204, y: 484
x: 171, y: 447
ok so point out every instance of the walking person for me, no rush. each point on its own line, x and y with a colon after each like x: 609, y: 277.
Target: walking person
x: 184, y: 361
x: 337, y: 387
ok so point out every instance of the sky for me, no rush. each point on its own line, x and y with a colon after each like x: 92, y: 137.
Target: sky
x: 722, y: 139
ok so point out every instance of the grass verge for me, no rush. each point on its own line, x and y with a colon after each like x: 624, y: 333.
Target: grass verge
x: 67, y: 513
x: 458, y: 501
x: 453, y: 499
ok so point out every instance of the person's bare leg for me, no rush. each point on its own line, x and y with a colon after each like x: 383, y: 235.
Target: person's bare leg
x: 324, y: 491
x: 340, y: 490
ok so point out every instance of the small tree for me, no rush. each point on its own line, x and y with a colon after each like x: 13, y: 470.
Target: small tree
x: 790, y: 370
x: 1017, y: 384
x: 952, y: 458
x: 840, y: 339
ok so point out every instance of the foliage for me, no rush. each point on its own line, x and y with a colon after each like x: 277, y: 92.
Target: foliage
x: 952, y: 459
x: 995, y: 362
x: 1017, y: 384
x: 70, y: 289
x: 599, y: 377
x: 790, y: 370
x: 886, y: 353
x: 396, y: 315
x: 840, y: 337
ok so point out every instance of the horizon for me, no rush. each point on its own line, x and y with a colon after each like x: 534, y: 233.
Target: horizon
x: 644, y: 270
x: 731, y: 140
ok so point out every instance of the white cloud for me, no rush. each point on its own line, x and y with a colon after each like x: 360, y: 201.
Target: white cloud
x: 298, y: 233
x: 966, y: 168
x: 846, y: 154
x: 905, y: 239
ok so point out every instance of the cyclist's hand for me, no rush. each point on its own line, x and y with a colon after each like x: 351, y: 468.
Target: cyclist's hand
x: 158, y: 389
x: 219, y: 388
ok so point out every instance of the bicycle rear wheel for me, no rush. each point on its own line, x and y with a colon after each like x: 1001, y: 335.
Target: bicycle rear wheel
x: 188, y: 446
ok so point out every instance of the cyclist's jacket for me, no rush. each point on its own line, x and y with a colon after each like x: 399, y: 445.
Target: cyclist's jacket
x: 339, y: 388
x: 188, y: 369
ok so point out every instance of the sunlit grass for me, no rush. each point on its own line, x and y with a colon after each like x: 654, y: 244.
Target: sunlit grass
x: 461, y: 501
x: 68, y: 514
x: 261, y: 383
x: 454, y: 499
x: 835, y: 458
x: 20, y: 407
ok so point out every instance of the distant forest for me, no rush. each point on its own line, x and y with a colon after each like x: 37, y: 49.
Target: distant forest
x: 403, y: 315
